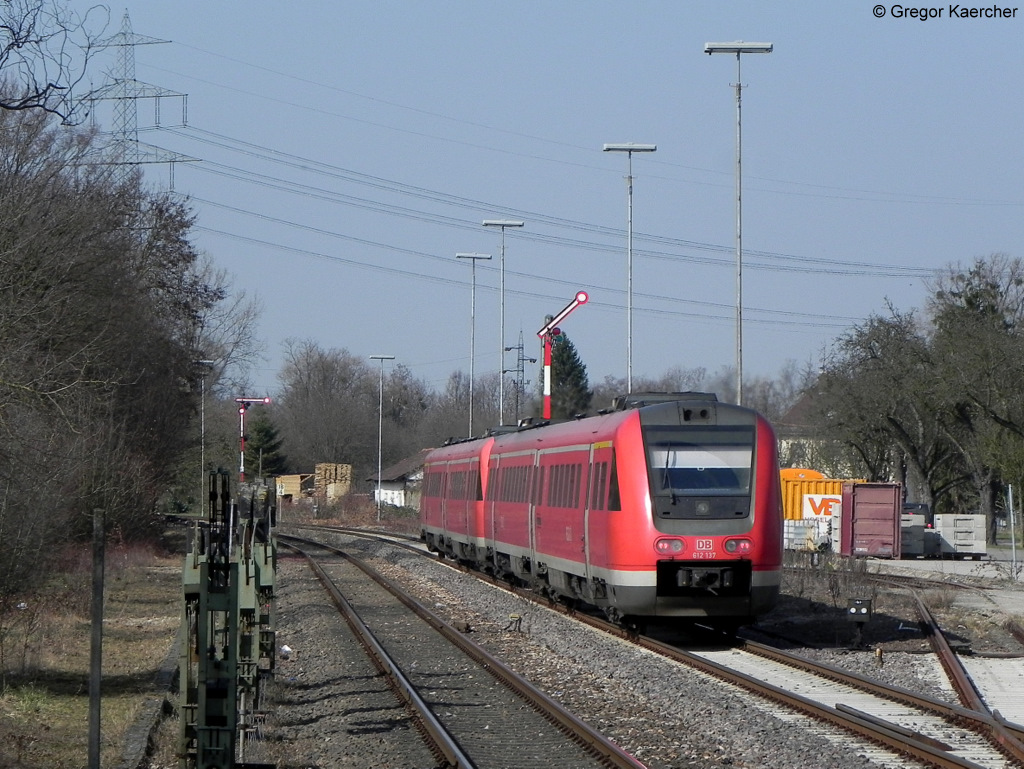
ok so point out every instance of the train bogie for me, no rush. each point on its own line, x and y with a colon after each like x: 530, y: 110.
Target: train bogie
x: 666, y: 511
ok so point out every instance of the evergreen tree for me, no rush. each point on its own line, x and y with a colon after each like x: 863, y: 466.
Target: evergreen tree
x: 263, y: 453
x: 570, y: 388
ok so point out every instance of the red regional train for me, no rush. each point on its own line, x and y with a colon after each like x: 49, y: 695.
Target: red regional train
x: 666, y: 509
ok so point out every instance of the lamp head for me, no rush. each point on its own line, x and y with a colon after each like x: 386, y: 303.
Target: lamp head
x: 630, y: 147
x: 738, y: 47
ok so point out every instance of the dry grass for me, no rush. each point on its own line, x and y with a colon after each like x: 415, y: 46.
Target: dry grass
x: 44, y: 698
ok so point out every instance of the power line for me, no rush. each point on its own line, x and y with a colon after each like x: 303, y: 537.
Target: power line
x: 845, y: 193
x: 822, y: 321
x: 759, y: 259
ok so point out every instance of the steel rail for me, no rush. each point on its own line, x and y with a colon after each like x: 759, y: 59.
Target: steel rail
x: 442, y: 741
x: 604, y: 749
x: 998, y: 729
x: 894, y: 693
x: 876, y: 730
x: 895, y: 738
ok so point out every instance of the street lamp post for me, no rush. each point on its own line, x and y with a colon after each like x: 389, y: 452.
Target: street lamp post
x: 503, y: 224
x: 629, y: 149
x: 473, y: 258
x: 380, y: 425
x: 204, y: 368
x: 738, y: 49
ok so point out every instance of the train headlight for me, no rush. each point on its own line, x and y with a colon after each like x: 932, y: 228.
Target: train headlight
x: 666, y: 546
x: 740, y: 546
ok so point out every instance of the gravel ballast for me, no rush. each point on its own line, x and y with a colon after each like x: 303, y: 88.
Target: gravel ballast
x: 666, y: 716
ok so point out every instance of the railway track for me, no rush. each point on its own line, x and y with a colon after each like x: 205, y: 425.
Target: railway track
x: 472, y: 710
x: 934, y: 732
x: 901, y: 722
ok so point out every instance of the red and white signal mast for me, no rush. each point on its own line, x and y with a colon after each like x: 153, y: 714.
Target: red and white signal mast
x: 548, y: 332
x: 243, y: 406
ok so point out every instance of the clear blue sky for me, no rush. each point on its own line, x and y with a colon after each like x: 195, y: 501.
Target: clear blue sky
x: 349, y: 150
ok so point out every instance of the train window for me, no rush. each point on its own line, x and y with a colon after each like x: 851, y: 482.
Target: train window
x: 520, y: 489
x: 700, y: 461
x: 556, y: 490
x: 574, y: 485
x: 512, y: 484
x: 565, y: 484
x: 614, y: 500
x: 598, y: 482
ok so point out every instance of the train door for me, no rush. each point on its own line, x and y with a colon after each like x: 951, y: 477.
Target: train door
x: 442, y: 512
x: 587, y: 503
x: 600, y: 521
x: 559, y: 522
x: 536, y: 495
x: 490, y: 522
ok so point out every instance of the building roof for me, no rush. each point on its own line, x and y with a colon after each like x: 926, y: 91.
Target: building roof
x: 799, y: 419
x: 403, y: 468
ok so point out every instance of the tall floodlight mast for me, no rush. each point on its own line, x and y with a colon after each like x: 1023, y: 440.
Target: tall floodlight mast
x: 738, y: 49
x: 629, y: 149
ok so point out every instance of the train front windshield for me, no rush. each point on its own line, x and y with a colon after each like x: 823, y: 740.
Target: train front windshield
x: 687, y: 463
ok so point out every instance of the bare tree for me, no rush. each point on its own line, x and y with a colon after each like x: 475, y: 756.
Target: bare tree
x: 224, y: 332
x: 100, y: 295
x: 45, y: 49
x: 327, y: 407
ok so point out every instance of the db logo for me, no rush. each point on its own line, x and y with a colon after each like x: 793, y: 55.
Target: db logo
x: 703, y: 544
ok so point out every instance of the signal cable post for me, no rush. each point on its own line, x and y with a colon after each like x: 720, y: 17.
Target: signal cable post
x: 243, y: 406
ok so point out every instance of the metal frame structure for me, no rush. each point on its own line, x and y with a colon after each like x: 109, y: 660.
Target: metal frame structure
x: 503, y: 224
x: 228, y: 627
x: 473, y: 259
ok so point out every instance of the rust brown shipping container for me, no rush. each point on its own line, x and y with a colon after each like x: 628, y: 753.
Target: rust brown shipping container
x: 871, y: 516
